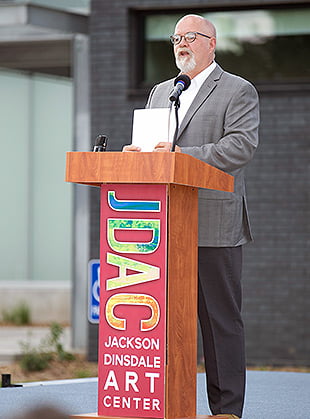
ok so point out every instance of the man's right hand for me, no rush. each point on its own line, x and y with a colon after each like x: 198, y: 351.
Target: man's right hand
x: 131, y: 147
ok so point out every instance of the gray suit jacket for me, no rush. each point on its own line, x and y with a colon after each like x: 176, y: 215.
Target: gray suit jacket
x: 220, y: 128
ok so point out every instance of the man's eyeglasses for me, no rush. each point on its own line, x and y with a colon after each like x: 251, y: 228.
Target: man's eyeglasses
x: 189, y: 37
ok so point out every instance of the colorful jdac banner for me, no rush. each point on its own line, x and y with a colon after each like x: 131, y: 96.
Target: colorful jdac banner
x: 132, y: 329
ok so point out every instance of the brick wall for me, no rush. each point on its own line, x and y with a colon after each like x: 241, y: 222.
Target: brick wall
x: 276, y: 268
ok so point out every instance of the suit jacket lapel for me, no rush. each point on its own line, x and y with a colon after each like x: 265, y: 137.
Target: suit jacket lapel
x: 206, y: 89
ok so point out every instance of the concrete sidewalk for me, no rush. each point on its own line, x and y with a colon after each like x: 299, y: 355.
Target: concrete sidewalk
x: 11, y: 338
x: 269, y: 395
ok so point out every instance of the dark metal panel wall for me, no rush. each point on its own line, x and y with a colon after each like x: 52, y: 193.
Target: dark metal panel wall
x: 276, y: 269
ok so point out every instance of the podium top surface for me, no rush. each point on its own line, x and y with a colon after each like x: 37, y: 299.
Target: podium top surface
x: 92, y: 168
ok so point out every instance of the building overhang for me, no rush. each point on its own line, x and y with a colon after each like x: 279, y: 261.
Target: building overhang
x: 38, y: 39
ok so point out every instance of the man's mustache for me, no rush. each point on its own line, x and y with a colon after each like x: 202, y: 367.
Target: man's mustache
x: 184, y: 49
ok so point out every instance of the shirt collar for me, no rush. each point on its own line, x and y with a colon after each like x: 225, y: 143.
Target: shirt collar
x: 202, y: 76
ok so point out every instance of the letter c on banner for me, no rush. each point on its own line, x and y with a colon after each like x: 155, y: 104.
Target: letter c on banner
x: 132, y: 299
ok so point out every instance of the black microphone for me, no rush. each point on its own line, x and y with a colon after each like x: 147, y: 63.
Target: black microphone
x: 101, y: 143
x: 181, y: 83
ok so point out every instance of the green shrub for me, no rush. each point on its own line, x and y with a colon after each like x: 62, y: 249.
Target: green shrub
x: 18, y: 315
x: 53, y: 340
x: 38, y: 359
x: 34, y: 359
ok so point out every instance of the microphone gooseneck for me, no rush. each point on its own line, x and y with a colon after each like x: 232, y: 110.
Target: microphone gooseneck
x: 181, y: 83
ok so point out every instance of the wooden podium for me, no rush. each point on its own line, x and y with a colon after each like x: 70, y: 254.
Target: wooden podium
x: 178, y: 177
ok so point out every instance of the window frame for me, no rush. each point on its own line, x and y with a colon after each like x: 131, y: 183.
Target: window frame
x: 137, y: 87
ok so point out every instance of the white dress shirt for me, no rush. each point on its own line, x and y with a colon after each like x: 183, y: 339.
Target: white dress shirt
x: 188, y: 96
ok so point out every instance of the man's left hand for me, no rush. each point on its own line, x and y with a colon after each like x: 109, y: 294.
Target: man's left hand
x: 166, y: 147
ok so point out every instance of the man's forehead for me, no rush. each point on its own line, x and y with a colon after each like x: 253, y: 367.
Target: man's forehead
x: 189, y: 24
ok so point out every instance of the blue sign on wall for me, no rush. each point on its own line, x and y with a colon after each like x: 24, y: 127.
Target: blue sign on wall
x: 93, y: 290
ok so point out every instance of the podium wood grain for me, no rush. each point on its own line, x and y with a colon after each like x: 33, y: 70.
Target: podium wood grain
x: 182, y: 302
x: 116, y: 167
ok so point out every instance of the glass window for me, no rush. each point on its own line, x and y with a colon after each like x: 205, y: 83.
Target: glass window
x: 36, y: 205
x: 260, y: 45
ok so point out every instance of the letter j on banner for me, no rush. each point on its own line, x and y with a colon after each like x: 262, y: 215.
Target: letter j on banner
x: 132, y: 329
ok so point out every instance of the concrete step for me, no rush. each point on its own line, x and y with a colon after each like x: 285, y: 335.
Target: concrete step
x: 12, y: 338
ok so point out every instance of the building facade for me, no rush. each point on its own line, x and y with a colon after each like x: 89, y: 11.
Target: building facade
x: 44, y: 112
x: 266, y: 42
x: 50, y: 230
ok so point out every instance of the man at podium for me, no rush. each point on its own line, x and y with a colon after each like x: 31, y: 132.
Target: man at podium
x: 218, y: 124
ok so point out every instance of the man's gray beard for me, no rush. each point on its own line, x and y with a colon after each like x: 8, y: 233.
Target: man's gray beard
x: 185, y: 64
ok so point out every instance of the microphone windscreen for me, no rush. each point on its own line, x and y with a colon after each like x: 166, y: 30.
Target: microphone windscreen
x: 185, y: 79
x: 101, y: 140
